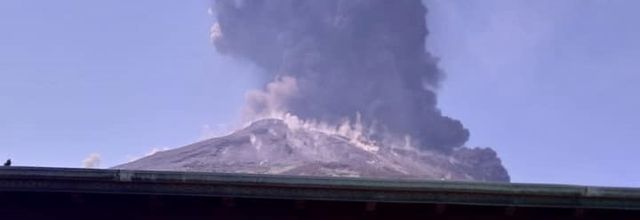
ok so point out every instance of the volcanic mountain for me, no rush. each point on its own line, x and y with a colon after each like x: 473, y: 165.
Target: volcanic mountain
x: 272, y: 146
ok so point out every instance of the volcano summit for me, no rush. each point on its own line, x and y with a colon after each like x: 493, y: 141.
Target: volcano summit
x: 271, y: 146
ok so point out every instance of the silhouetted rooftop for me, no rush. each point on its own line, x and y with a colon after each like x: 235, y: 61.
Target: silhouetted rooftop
x: 78, y: 182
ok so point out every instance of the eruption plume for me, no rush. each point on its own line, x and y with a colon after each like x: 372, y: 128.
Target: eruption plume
x: 335, y: 60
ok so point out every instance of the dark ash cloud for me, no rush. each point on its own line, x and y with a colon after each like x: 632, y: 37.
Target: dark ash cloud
x: 334, y: 59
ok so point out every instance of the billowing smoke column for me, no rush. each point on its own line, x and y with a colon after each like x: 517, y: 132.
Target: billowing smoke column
x: 333, y: 60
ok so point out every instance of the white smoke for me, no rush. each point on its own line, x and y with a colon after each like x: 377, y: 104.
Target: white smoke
x: 216, y: 32
x: 92, y: 161
x: 354, y: 131
x: 271, y: 101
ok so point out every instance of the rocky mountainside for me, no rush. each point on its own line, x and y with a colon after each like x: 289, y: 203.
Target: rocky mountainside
x: 270, y: 146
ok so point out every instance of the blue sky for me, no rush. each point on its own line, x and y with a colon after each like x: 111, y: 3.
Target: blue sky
x: 550, y: 85
x: 117, y: 78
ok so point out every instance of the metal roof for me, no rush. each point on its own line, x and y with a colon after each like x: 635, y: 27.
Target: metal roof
x: 109, y: 181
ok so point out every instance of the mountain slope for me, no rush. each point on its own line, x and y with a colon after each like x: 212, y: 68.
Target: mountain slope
x: 270, y: 146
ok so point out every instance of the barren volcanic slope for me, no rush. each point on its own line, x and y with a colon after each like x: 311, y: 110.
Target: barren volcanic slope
x: 271, y: 146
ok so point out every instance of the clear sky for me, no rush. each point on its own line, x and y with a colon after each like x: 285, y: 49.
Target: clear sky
x: 115, y: 77
x: 550, y: 85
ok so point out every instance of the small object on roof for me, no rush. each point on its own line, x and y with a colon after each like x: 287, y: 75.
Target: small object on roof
x: 8, y: 163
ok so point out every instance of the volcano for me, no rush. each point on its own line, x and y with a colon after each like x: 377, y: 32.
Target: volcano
x: 271, y: 146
